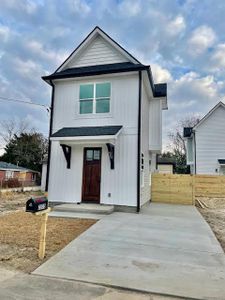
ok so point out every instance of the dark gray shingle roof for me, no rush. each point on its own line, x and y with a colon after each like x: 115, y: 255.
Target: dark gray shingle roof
x: 87, y: 131
x: 96, y: 70
x: 221, y: 161
x: 187, y: 131
x: 160, y: 90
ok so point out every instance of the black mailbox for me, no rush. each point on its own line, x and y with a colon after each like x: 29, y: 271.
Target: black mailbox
x: 36, y: 204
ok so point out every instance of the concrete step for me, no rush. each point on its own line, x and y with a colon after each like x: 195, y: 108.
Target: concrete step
x: 76, y: 215
x: 85, y: 208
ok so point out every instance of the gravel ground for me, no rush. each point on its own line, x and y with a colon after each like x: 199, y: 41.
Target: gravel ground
x: 214, y: 214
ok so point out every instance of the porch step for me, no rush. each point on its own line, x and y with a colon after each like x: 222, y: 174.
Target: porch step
x: 85, y: 208
x: 75, y: 215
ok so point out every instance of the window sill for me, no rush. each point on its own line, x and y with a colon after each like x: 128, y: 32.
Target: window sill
x: 93, y: 116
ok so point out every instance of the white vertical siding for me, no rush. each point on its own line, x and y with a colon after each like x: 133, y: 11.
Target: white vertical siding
x: 118, y: 186
x: 155, y: 125
x: 145, y: 190
x: 210, y: 142
x: 65, y: 184
x: 43, y: 176
x: 99, y: 52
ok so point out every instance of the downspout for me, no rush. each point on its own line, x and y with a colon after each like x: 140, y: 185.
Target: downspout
x: 194, y: 138
x: 195, y: 149
x: 50, y: 132
x: 139, y: 142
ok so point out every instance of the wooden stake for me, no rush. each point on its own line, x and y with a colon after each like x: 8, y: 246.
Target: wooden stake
x: 44, y: 218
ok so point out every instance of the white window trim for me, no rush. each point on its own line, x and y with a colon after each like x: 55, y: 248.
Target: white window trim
x: 93, y: 114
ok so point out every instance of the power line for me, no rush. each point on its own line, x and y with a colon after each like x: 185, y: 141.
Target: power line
x: 23, y: 101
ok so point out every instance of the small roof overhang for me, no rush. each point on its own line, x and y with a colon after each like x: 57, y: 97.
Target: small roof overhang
x: 87, y: 134
x: 221, y: 162
x: 187, y: 132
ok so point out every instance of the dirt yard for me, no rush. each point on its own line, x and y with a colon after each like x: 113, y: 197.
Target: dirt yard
x: 214, y: 214
x: 19, y: 234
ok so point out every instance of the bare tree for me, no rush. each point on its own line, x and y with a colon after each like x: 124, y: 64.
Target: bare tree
x: 11, y: 127
x: 177, y: 144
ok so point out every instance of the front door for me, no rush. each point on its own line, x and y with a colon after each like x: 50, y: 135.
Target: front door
x: 91, y: 175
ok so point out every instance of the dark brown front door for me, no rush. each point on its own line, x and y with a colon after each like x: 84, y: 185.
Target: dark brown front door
x: 91, y: 175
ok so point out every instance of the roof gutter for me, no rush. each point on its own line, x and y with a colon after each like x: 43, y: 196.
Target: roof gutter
x: 93, y: 73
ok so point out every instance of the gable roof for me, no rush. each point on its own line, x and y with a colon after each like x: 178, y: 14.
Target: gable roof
x: 8, y: 166
x: 95, y: 32
x: 220, y: 104
x: 158, y: 90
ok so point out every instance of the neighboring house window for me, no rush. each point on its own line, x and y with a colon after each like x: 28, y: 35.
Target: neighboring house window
x: 33, y: 176
x: 9, y: 174
x: 95, y: 98
x: 142, y: 170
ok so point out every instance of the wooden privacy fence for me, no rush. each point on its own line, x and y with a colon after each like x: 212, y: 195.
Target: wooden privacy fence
x: 184, y: 189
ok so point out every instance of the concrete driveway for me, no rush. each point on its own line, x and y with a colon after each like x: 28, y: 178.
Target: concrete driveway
x: 166, y: 249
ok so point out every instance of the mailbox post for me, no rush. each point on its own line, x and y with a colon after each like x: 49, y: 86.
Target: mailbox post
x: 39, y: 207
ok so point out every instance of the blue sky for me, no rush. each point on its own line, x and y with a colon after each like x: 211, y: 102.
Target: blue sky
x: 183, y: 41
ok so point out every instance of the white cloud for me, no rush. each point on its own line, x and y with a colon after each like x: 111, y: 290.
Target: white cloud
x: 218, y: 58
x: 4, y: 33
x: 79, y: 6
x: 193, y: 90
x: 176, y: 26
x: 130, y: 8
x: 201, y: 39
x: 160, y: 74
x: 51, y: 56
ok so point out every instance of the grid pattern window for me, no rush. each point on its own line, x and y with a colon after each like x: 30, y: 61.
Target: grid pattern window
x: 95, y: 98
x: 9, y: 174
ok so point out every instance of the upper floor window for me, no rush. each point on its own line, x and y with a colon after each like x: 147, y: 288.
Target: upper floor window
x: 95, y: 98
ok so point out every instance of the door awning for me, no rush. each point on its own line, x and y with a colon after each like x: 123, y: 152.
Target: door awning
x: 91, y: 133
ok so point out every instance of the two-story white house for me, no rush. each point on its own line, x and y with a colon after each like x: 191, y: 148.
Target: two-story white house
x: 205, y: 143
x: 105, y: 127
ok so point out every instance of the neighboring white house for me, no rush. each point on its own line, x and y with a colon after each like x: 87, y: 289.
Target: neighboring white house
x: 205, y: 143
x: 106, y: 126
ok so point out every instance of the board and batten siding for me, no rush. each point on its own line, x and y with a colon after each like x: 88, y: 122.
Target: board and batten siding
x: 155, y: 125
x: 145, y: 188
x: 99, y: 52
x: 210, y: 142
x: 118, y: 186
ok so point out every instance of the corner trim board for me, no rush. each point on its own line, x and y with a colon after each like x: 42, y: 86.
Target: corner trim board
x: 139, y: 142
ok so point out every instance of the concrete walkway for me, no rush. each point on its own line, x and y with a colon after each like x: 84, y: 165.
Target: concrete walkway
x: 166, y: 249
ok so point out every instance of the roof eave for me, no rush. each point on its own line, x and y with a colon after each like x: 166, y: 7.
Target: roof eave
x: 55, y: 76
